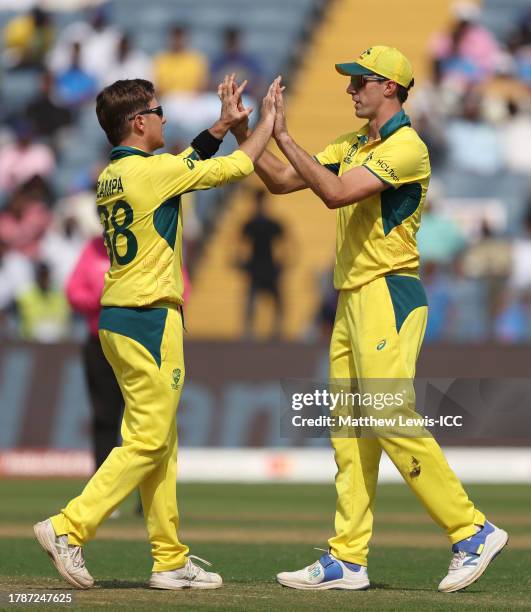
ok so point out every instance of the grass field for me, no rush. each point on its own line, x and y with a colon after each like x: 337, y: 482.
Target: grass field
x: 250, y: 532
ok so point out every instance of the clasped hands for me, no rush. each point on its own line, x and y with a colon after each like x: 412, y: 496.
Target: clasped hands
x: 236, y: 116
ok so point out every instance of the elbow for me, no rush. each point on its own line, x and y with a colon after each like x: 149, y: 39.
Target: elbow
x: 332, y: 201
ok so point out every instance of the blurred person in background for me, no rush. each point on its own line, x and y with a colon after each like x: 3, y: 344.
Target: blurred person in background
x: 83, y: 290
x: 520, y: 272
x: 24, y: 221
x: 519, y: 45
x: 99, y: 41
x: 516, y: 130
x: 233, y: 59
x: 180, y: 69
x: 45, y: 113
x: 28, y: 38
x: 43, y: 312
x: 474, y: 145
x: 489, y: 262
x: 129, y: 63
x: 24, y: 158
x: 16, y: 276
x: 75, y: 85
x: 439, y: 239
x: 61, y: 246
x: 264, y: 237
x: 468, y: 52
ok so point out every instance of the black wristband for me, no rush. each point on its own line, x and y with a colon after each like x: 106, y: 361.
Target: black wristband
x: 206, y: 145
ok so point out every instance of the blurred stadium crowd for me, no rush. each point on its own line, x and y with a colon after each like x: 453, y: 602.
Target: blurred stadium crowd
x: 474, y: 114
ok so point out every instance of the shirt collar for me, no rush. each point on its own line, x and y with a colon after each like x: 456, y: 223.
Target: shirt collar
x: 120, y: 152
x: 397, y: 121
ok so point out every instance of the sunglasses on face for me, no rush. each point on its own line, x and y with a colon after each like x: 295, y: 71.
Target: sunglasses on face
x: 157, y: 110
x: 360, y: 80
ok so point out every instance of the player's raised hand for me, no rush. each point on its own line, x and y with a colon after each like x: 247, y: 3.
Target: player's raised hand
x: 268, y: 110
x: 281, y: 127
x: 233, y: 111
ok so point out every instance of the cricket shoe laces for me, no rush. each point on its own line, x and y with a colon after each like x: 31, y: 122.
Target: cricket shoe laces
x: 472, y: 556
x: 67, y: 558
x: 458, y: 560
x: 194, y: 571
x: 190, y: 576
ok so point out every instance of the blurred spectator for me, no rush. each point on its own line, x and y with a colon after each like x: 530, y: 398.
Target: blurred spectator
x: 43, y: 311
x: 468, y: 53
x: 129, y: 63
x: 233, y: 59
x: 520, y: 274
x: 517, y: 130
x: 438, y: 291
x: 61, y: 246
x: 27, y: 39
x: 263, y: 268
x: 16, y: 275
x: 98, y: 39
x: 503, y: 88
x: 439, y: 239
x: 24, y: 158
x: 512, y: 323
x: 327, y: 310
x: 23, y: 222
x: 44, y: 113
x: 473, y: 144
x: 520, y: 46
x: 75, y: 86
x: 490, y: 262
x: 84, y: 289
x: 180, y: 69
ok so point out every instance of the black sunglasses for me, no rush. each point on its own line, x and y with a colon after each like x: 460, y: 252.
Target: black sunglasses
x: 358, y: 81
x: 149, y: 111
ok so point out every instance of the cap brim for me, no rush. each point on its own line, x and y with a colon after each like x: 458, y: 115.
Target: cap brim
x: 352, y: 69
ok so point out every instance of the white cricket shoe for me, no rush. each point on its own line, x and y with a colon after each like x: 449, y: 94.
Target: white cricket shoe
x: 327, y: 573
x: 68, y: 559
x: 191, y: 576
x: 472, y: 557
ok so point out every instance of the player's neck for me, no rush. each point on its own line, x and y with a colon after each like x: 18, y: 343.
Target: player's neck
x: 137, y: 143
x: 382, y: 117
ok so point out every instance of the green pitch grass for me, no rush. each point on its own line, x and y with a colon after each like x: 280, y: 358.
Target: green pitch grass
x: 250, y: 532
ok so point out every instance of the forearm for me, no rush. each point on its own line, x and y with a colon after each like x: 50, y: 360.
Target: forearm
x: 256, y: 143
x: 219, y: 129
x: 275, y: 174
x: 319, y: 179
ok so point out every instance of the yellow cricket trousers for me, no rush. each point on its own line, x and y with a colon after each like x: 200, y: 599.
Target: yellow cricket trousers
x: 145, y: 349
x: 378, y: 332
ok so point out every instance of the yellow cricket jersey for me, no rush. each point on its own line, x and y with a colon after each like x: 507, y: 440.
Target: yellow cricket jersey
x: 377, y: 236
x: 138, y: 198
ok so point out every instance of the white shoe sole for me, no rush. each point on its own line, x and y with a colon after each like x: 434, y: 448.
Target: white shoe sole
x: 179, y: 585
x: 493, y: 547
x: 325, y: 586
x: 47, y: 543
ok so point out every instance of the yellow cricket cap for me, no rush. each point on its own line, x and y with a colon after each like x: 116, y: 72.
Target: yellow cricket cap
x: 384, y: 61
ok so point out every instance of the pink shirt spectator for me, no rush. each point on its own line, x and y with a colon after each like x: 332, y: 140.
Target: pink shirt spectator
x: 476, y: 45
x: 85, y: 285
x: 19, y: 163
x: 23, y: 225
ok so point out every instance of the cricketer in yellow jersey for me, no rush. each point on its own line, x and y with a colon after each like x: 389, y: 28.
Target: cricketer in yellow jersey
x: 377, y: 177
x: 141, y: 328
